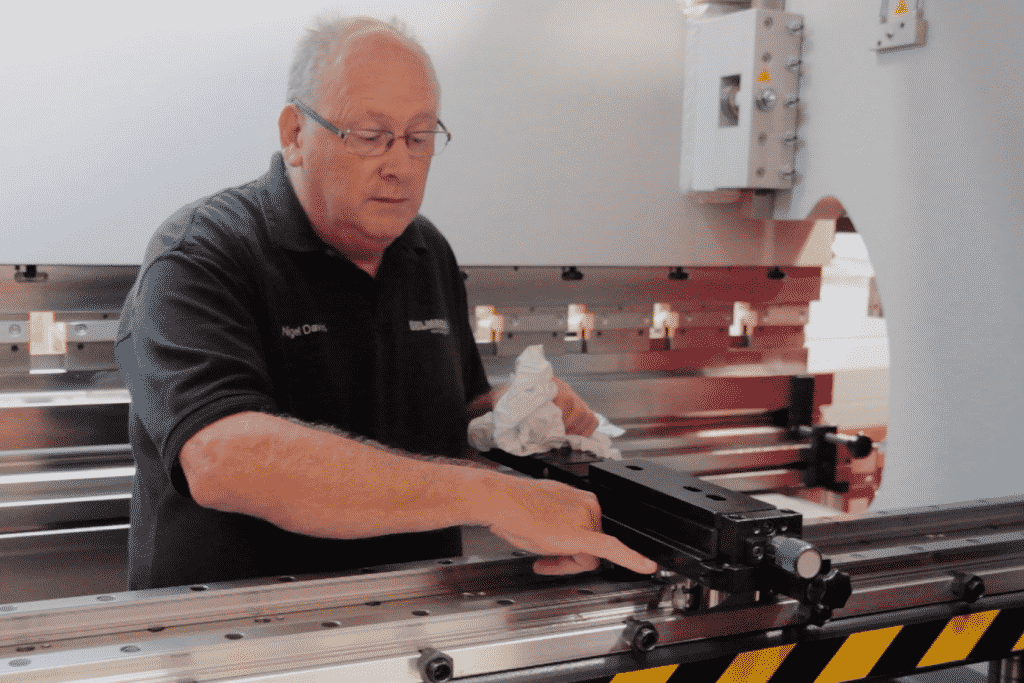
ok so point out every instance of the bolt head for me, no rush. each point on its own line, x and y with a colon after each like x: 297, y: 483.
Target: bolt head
x: 766, y: 99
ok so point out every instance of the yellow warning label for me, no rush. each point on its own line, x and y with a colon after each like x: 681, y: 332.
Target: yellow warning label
x: 958, y: 638
x: 858, y: 655
x: 656, y: 675
x: 1019, y: 645
x: 764, y: 76
x: 901, y: 8
x: 757, y: 666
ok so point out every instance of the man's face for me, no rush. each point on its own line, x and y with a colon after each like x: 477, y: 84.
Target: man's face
x: 361, y: 204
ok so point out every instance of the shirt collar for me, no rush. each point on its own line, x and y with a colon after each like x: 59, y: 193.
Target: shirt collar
x: 291, y: 228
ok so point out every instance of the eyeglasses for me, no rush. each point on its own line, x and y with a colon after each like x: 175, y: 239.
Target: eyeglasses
x: 374, y: 143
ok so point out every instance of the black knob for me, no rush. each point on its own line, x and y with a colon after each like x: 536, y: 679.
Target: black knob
x: 838, y: 589
x: 435, y: 666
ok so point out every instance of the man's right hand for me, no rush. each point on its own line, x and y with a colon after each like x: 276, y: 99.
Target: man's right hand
x: 555, y: 520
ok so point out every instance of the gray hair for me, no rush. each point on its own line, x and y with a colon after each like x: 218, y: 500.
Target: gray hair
x: 315, y: 48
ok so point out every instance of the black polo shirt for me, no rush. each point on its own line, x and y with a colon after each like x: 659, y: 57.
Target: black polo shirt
x: 240, y: 306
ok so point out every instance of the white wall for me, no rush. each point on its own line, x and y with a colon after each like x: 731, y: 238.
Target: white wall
x: 565, y: 115
x: 925, y: 149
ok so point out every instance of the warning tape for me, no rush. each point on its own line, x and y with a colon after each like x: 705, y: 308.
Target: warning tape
x: 892, y: 651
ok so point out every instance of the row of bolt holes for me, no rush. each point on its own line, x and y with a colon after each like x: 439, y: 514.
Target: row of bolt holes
x: 266, y: 620
x: 14, y: 347
x: 712, y: 496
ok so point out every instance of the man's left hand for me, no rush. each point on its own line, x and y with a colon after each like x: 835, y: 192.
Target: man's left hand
x: 576, y: 414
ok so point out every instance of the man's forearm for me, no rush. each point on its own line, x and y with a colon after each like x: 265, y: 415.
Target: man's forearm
x: 468, y: 461
x: 314, y: 481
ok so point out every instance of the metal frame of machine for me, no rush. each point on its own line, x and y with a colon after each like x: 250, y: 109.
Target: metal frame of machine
x: 932, y: 588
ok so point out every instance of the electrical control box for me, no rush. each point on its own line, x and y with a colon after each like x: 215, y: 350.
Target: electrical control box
x: 742, y: 93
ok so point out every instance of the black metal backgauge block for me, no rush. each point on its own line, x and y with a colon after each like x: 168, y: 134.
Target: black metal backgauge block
x: 724, y: 539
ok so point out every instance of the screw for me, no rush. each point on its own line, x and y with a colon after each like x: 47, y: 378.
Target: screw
x: 435, y: 666
x: 793, y: 64
x: 789, y: 138
x: 14, y: 329
x: 766, y: 99
x: 641, y: 635
x: 81, y: 329
x: 795, y: 27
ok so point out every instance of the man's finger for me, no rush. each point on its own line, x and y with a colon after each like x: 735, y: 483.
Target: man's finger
x: 611, y: 548
x: 565, y: 564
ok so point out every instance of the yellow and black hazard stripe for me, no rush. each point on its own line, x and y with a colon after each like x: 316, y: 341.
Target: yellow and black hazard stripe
x: 891, y: 651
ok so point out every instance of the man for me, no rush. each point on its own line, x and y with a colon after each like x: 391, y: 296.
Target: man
x: 317, y: 296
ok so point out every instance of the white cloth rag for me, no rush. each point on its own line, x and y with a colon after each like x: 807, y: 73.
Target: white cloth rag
x: 526, y: 421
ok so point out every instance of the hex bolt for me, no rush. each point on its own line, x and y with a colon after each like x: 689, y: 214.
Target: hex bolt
x: 789, y: 138
x: 967, y: 587
x: 435, y: 666
x: 757, y: 553
x: 81, y: 329
x: 14, y: 330
x: 642, y: 636
x: 792, y: 100
x: 793, y: 64
x: 795, y: 27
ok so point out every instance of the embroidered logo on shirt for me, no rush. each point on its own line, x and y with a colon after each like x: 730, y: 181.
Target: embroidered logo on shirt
x: 299, y: 330
x: 436, y: 326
